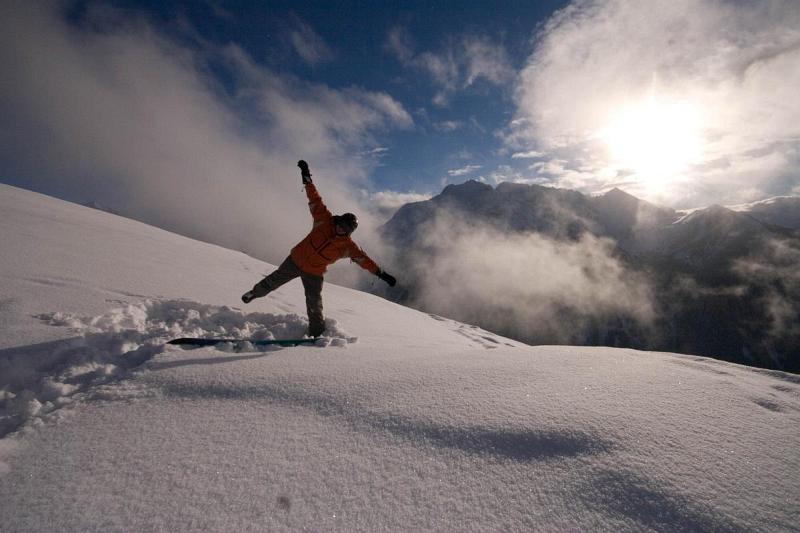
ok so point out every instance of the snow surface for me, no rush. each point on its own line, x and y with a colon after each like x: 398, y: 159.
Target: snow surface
x: 395, y: 420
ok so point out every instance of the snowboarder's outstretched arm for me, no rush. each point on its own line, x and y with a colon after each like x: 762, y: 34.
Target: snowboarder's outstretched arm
x: 319, y: 211
x: 388, y: 278
x: 359, y: 257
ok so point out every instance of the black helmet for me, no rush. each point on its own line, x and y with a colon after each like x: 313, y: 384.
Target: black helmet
x: 348, y: 222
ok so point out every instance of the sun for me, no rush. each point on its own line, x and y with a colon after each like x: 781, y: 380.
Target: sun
x: 655, y: 140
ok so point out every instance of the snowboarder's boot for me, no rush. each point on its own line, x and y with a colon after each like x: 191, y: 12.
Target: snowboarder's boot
x: 315, y: 330
x: 248, y: 297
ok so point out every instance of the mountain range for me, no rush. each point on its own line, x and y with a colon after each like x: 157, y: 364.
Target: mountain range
x: 720, y: 280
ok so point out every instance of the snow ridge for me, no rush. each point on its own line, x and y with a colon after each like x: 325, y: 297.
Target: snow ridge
x: 39, y: 380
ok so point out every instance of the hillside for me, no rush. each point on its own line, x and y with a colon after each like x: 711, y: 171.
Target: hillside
x: 396, y: 420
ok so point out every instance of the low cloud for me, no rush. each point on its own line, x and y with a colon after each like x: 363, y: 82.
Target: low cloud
x: 109, y: 109
x: 526, y: 285
x: 385, y: 203
x: 774, y: 271
x: 700, y: 93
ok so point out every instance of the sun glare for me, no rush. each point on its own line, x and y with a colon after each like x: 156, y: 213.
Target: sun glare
x: 655, y: 140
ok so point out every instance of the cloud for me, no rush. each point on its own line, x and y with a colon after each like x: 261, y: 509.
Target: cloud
x: 391, y: 108
x: 443, y: 68
x: 378, y: 151
x: 463, y: 171
x: 525, y: 285
x: 696, y: 98
x: 506, y: 173
x: 385, y: 203
x: 449, y: 125
x: 219, y: 11
x: 398, y: 42
x: 530, y: 154
x: 458, y: 65
x: 560, y: 173
x: 774, y: 271
x: 109, y: 109
x: 487, y: 60
x: 309, y: 45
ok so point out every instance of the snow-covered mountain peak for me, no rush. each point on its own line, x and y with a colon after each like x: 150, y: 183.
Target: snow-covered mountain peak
x: 622, y: 200
x: 510, y: 187
x: 717, y: 218
x: 626, y: 214
x: 616, y: 192
x: 467, y: 189
x: 781, y: 211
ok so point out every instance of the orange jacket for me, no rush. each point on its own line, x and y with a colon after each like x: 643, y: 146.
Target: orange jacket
x: 322, y: 246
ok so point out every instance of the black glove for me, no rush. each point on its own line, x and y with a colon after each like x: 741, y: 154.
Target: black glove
x: 388, y: 278
x: 304, y: 172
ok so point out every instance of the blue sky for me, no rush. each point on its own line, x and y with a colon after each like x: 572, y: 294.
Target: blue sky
x: 192, y: 115
x: 351, y: 44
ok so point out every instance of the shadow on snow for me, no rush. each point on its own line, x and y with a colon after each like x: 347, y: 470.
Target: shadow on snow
x: 517, y: 444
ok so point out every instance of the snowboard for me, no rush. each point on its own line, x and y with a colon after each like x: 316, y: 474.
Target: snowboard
x: 194, y: 341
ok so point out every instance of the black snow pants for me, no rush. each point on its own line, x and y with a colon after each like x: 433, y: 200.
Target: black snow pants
x: 312, y: 285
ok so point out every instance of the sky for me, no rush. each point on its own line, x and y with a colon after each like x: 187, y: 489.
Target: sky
x: 192, y: 115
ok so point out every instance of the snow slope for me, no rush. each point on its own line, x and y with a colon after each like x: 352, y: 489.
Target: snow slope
x: 396, y: 420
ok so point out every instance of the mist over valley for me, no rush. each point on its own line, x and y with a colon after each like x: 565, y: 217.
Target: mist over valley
x: 554, y: 266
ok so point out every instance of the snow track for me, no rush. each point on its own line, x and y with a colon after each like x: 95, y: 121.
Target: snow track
x: 37, y: 380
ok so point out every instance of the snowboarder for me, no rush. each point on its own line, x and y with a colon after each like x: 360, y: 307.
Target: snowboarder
x: 328, y: 241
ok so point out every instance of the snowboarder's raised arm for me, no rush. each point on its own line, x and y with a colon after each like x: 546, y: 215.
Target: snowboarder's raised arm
x: 319, y: 211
